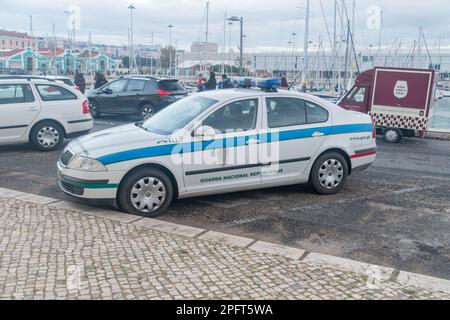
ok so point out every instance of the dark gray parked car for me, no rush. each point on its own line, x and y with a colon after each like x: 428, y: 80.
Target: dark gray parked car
x: 139, y: 95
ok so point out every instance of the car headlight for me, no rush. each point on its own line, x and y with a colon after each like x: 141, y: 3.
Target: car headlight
x: 86, y: 164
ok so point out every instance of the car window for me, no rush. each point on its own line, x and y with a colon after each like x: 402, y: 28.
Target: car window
x: 15, y: 94
x: 135, y: 85
x: 236, y: 117
x: 285, y: 112
x: 54, y: 93
x: 68, y: 82
x: 315, y: 113
x: 170, y: 85
x: 178, y: 115
x: 151, y: 85
x: 117, y: 86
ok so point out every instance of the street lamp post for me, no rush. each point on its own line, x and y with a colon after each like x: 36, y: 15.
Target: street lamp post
x: 241, y: 60
x: 132, y: 62
x: 170, y: 49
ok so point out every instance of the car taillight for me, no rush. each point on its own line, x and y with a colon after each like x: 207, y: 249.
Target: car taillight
x: 374, y: 130
x: 85, y: 107
x: 163, y: 93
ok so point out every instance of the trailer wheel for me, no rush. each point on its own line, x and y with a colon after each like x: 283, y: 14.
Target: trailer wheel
x: 392, y: 135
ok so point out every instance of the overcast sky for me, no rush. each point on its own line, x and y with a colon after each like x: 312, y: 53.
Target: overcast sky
x: 268, y: 24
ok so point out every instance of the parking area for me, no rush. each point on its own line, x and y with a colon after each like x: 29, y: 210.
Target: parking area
x: 396, y: 214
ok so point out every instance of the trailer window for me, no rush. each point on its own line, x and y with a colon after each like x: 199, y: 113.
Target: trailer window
x: 357, y: 95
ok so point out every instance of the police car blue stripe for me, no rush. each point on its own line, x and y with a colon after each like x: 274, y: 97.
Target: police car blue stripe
x: 160, y: 151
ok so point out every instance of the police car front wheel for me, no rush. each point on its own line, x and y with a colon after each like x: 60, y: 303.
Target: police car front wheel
x: 148, y: 192
x: 329, y: 173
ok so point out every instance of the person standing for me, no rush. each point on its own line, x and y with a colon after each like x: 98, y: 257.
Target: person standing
x: 80, y: 82
x: 284, y: 83
x: 100, y: 80
x: 201, y: 80
x: 211, y: 84
x: 225, y: 83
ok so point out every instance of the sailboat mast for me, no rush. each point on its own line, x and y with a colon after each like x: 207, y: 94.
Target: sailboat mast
x: 346, y: 53
x: 419, y: 48
x: 207, y: 21
x: 335, y: 39
x: 380, y: 36
x: 305, y: 71
x: 353, y: 18
x: 224, y: 42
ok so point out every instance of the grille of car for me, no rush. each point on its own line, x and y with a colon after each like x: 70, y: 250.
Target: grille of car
x: 65, y: 158
x: 72, y: 189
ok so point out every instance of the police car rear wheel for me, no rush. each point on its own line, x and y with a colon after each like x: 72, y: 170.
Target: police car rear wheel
x: 329, y: 173
x: 147, y: 192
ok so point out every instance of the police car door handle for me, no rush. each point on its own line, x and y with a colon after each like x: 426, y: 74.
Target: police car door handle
x: 318, y: 134
x: 32, y: 109
x: 252, y: 141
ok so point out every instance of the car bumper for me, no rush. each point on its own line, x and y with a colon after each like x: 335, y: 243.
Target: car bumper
x: 363, y: 159
x: 79, y: 127
x: 87, y: 185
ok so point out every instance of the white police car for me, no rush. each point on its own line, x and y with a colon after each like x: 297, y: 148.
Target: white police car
x: 219, y: 142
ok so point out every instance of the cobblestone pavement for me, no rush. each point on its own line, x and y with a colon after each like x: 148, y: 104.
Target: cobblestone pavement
x: 51, y: 253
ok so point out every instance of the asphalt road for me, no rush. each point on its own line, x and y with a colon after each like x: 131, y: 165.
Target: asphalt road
x: 396, y: 214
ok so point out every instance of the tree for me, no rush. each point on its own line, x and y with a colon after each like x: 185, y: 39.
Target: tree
x: 166, y: 53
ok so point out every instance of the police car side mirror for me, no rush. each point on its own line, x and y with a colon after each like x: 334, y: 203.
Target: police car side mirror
x: 204, y: 132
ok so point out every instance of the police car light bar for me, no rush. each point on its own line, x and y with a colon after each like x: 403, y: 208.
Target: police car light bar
x: 266, y: 84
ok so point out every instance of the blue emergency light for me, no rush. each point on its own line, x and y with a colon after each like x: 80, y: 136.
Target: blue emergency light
x: 266, y: 84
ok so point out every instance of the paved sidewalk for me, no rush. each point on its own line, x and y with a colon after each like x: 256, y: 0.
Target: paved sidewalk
x: 50, y: 252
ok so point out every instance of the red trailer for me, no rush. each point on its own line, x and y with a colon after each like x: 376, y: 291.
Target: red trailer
x: 399, y: 100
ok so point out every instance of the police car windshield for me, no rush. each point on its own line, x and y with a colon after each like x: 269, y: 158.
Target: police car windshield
x: 177, y: 115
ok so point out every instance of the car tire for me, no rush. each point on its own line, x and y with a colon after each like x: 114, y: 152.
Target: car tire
x: 146, y: 192
x: 329, y: 173
x: 392, y: 136
x: 47, y: 136
x: 146, y: 111
x: 93, y: 109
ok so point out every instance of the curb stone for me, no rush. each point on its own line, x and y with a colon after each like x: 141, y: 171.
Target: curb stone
x: 350, y: 265
x: 404, y: 278
x: 279, y: 250
x: 226, y: 239
x: 425, y: 282
x: 163, y: 226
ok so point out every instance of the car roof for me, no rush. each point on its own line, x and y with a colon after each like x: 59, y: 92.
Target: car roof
x: 146, y: 77
x: 242, y: 92
x: 230, y: 94
x: 36, y: 80
x: 25, y: 80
